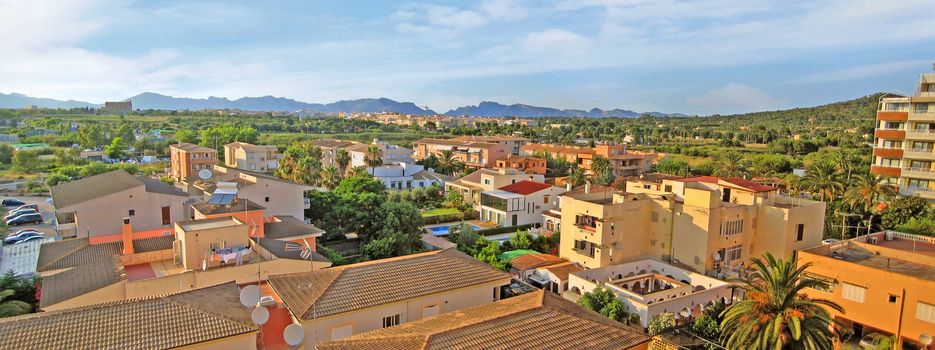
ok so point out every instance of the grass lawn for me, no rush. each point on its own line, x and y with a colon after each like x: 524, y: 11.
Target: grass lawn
x: 440, y: 211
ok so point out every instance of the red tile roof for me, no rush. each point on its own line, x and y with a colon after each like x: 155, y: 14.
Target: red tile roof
x: 753, y: 186
x: 525, y: 187
x: 529, y: 261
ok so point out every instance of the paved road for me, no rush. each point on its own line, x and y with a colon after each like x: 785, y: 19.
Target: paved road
x: 47, y: 213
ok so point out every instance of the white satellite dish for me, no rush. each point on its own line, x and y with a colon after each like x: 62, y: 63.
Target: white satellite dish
x: 293, y: 334
x: 250, y: 295
x: 260, y: 315
x: 205, y: 174
x: 716, y: 256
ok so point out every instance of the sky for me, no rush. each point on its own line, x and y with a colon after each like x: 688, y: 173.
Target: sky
x: 695, y: 57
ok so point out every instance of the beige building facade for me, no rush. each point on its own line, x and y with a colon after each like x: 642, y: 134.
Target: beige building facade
x: 472, y: 154
x: 245, y: 156
x: 482, y: 180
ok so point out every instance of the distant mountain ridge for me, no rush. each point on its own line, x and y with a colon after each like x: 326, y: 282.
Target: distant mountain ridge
x: 150, y: 100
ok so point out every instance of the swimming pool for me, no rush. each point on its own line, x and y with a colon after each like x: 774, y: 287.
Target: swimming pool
x: 443, y: 230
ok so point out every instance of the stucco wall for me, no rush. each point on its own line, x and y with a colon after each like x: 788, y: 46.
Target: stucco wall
x: 104, y: 216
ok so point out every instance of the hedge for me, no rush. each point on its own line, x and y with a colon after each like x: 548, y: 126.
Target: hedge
x: 499, y: 230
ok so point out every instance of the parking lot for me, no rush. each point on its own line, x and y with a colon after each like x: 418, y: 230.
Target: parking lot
x: 22, y: 258
x: 47, y: 214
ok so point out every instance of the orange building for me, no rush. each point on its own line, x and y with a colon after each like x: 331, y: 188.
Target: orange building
x: 187, y: 159
x: 623, y: 162
x: 472, y: 154
x: 531, y: 165
x: 884, y: 281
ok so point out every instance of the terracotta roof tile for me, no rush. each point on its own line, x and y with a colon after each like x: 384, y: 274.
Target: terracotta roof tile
x: 530, y: 261
x: 536, y: 320
x: 525, y: 187
x: 351, y: 287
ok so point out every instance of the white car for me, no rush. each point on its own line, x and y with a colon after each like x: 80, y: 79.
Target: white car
x: 829, y: 241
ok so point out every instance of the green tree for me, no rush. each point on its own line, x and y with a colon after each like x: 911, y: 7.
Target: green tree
x: 186, y: 135
x: 94, y: 168
x: 12, y: 307
x: 90, y: 135
x: 824, y: 180
x: 776, y: 313
x: 342, y: 159
x: 373, y: 157
x: 903, y: 208
x: 661, y: 323
x: 6, y: 153
x: 330, y: 177
x: 448, y: 164
x: 487, y: 251
x: 730, y: 164
x: 454, y: 199
x: 603, y: 172
x: 465, y: 237
x: 520, y: 240
x: 576, y: 177
x: 867, y: 191
x: 26, y: 160
x: 332, y: 255
x: 604, y: 301
x: 116, y: 149
x: 672, y: 167
x: 125, y: 133
x: 55, y: 179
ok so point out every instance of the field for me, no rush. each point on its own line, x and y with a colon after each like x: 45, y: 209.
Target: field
x: 440, y: 211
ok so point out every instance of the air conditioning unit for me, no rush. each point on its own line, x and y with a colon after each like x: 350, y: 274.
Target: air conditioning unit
x: 890, y: 235
x: 872, y: 240
x: 177, y: 258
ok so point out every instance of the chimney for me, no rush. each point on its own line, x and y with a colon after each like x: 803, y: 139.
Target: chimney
x: 587, y: 187
x: 567, y: 185
x: 127, y: 237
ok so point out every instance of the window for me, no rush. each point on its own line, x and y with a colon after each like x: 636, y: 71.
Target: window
x: 252, y: 166
x: 920, y: 165
x: 486, y: 181
x: 922, y: 146
x: 585, y: 248
x: 266, y: 199
x: 390, y: 321
x: 892, y: 144
x: 545, y: 199
x: 732, y: 253
x: 430, y: 311
x: 925, y: 312
x: 667, y: 188
x: 799, y: 232
x: 917, y: 183
x: 853, y: 293
x: 731, y: 227
x: 131, y: 212
x: 890, y: 162
x: 892, y: 299
x: 892, y: 125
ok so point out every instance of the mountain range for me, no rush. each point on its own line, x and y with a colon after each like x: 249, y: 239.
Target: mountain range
x: 150, y: 100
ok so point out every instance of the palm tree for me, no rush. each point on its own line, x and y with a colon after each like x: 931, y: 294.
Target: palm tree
x: 824, y: 179
x: 342, y: 158
x: 330, y: 177
x: 776, y: 314
x: 12, y: 307
x: 448, y: 164
x: 576, y: 177
x: 729, y: 164
x: 357, y: 171
x: 867, y: 191
x: 374, y: 156
x: 793, y: 185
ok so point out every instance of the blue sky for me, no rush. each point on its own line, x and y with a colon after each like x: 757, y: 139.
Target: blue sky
x: 697, y: 57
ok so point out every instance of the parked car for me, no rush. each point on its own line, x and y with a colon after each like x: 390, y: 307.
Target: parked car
x: 17, y: 233
x: 16, y: 213
x: 11, y: 202
x: 31, y: 238
x: 872, y: 340
x: 829, y: 241
x: 32, y: 218
x: 27, y: 206
x: 20, y: 238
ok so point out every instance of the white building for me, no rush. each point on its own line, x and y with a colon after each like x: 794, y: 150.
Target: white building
x: 521, y: 203
x: 401, y: 176
x: 649, y: 287
x: 390, y: 153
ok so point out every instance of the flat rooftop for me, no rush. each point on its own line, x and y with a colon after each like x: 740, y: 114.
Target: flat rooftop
x: 205, y: 224
x: 903, y: 253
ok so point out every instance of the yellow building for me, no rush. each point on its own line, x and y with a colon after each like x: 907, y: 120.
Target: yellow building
x: 706, y: 224
x: 885, y: 282
x: 245, y: 156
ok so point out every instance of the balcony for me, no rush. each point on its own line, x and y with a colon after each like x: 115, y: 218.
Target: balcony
x: 922, y: 115
x: 892, y: 116
x: 888, y: 152
x: 919, y: 153
x: 892, y: 134
x: 923, y: 173
x: 927, y: 134
x: 917, y: 191
x: 885, y: 170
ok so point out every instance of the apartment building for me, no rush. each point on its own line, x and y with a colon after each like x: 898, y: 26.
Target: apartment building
x: 705, y: 224
x: 157, y: 322
x: 515, y: 143
x: 527, y: 164
x: 275, y: 195
x: 389, y: 153
x: 481, y: 180
x: 329, y: 149
x: 904, y: 139
x: 470, y: 153
x: 245, y: 156
x: 343, y: 301
x: 535, y: 320
x: 520, y: 203
x: 94, y: 207
x: 623, y: 162
x: 884, y: 282
x: 187, y: 159
x: 118, y: 107
x: 192, y: 254
x: 650, y: 287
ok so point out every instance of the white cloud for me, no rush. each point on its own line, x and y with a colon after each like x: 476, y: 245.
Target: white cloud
x: 865, y: 71
x: 556, y: 41
x: 735, y: 97
x: 507, y: 10
x: 438, y: 20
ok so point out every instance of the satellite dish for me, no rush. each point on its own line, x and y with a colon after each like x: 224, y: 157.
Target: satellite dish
x: 717, y: 256
x: 924, y: 338
x: 250, y: 295
x: 205, y: 174
x: 260, y: 315
x: 293, y: 334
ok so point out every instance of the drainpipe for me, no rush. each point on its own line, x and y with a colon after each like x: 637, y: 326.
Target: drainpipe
x: 671, y: 230
x: 899, y: 322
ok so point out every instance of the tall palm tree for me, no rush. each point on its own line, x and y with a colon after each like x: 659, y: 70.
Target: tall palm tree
x: 776, y: 314
x: 448, y: 164
x: 12, y: 307
x: 576, y: 177
x: 867, y: 191
x: 330, y: 177
x: 793, y: 184
x: 824, y: 179
x: 357, y: 171
x: 342, y: 158
x: 373, y: 156
x: 730, y: 164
